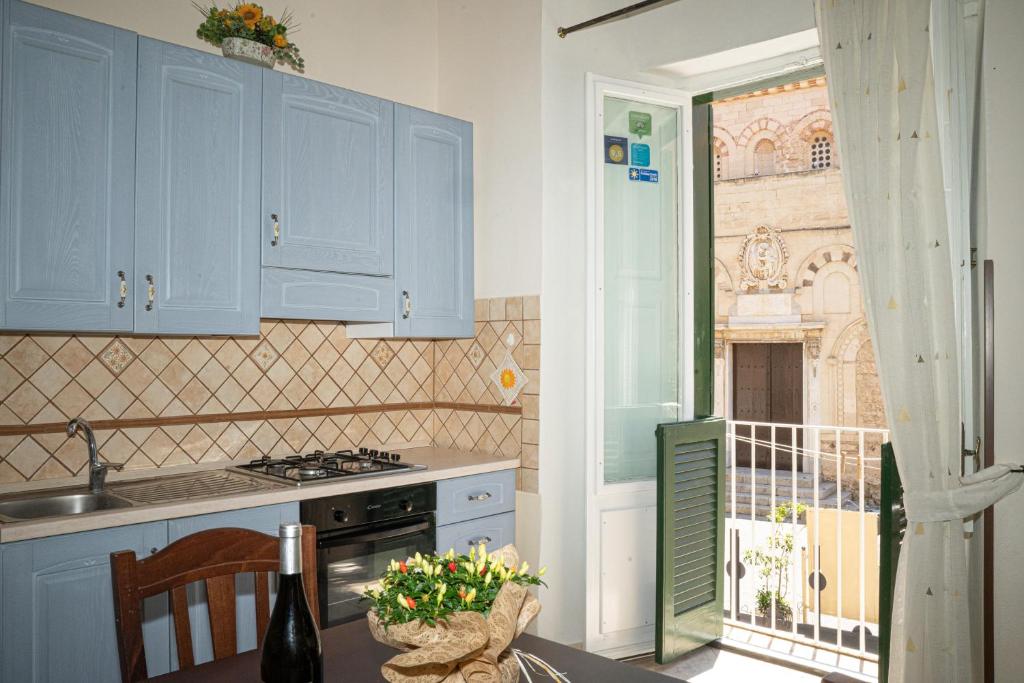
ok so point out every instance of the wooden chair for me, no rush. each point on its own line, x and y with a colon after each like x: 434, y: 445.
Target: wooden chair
x: 213, y: 556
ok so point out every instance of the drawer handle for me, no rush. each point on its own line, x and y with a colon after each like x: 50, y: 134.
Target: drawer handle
x: 122, y: 289
x: 480, y: 497
x: 277, y: 230
x: 150, y: 292
x: 483, y: 539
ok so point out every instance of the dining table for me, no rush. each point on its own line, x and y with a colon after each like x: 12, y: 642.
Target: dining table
x: 351, y: 655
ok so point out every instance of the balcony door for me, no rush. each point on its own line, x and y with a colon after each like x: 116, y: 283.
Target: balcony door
x: 768, y: 381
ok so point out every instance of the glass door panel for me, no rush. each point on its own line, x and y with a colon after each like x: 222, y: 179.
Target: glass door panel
x: 641, y: 284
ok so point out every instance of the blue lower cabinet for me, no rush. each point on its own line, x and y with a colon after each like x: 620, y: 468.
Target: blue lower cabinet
x: 58, y: 606
x: 263, y: 519
x: 496, y: 531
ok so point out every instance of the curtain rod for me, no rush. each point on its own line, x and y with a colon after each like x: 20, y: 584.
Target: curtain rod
x: 617, y: 14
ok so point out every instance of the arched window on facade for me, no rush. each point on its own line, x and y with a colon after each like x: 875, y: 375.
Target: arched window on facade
x: 721, y: 160
x: 764, y: 158
x: 821, y: 152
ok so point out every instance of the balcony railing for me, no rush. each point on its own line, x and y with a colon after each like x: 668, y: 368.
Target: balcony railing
x: 802, y: 533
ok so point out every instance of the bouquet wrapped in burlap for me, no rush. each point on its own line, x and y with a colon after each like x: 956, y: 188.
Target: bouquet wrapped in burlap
x: 466, y: 647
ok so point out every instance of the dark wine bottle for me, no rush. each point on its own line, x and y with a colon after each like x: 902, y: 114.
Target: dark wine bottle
x: 291, y: 646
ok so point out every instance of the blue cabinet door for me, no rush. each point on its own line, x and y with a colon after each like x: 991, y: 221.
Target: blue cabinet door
x: 67, y: 171
x: 266, y: 520
x: 328, y: 178
x: 433, y: 225
x: 58, y: 607
x: 198, y: 182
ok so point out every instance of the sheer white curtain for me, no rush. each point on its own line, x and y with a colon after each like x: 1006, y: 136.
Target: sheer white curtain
x: 878, y: 62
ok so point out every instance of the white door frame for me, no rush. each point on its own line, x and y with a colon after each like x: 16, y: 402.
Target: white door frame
x: 602, y: 497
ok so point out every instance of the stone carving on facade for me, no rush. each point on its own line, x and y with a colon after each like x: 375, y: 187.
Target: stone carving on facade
x: 813, y: 347
x: 763, y: 259
x: 719, y: 348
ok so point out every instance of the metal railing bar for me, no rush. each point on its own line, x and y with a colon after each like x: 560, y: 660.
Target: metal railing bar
x: 863, y: 559
x: 839, y: 543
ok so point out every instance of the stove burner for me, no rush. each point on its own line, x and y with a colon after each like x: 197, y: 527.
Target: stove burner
x: 321, y: 466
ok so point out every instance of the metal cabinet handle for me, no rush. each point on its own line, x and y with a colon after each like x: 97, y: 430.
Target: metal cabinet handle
x: 277, y: 230
x: 480, y: 497
x: 406, y: 304
x: 123, y: 289
x: 483, y: 539
x: 150, y: 292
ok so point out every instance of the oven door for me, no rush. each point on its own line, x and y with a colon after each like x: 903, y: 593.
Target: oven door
x: 350, y: 560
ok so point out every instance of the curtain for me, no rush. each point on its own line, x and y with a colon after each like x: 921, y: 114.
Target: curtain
x: 878, y: 64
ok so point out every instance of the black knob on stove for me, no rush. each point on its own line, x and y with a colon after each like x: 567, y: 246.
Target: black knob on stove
x: 395, y: 457
x: 385, y: 456
x: 362, y: 450
x: 374, y: 453
x: 406, y: 505
x: 341, y: 516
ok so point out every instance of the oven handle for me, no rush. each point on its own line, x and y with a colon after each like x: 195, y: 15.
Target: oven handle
x: 332, y: 539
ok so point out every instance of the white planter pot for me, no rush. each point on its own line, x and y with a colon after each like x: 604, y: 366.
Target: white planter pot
x: 249, y: 51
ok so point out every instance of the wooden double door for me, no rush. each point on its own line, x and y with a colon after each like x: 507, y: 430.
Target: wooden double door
x: 768, y: 387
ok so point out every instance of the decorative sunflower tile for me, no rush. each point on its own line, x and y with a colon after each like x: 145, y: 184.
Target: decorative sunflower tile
x: 509, y: 378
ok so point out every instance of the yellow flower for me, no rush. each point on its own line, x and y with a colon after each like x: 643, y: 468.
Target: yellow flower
x: 250, y: 14
x: 524, y: 567
x: 280, y: 41
x: 470, y: 596
x: 508, y: 378
x: 542, y: 571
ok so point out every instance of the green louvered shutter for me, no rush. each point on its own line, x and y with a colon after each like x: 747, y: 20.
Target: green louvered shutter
x: 691, y: 517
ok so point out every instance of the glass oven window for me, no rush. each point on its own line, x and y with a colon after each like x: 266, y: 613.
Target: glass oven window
x: 346, y: 570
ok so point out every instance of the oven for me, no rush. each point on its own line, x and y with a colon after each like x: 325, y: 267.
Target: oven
x: 358, y: 534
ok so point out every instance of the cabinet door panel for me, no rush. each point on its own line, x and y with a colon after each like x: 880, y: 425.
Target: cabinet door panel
x: 198, y: 184
x: 59, y: 606
x: 313, y: 295
x: 328, y: 175
x: 495, y: 531
x: 263, y: 519
x: 433, y: 224
x: 67, y: 171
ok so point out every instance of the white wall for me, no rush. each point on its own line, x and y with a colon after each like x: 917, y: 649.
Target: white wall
x: 386, y: 48
x: 625, y: 49
x: 1003, y: 241
x: 489, y: 73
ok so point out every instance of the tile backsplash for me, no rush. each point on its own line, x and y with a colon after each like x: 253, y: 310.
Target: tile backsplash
x: 298, y: 386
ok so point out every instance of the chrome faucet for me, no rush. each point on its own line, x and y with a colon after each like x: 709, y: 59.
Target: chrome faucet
x: 97, y: 469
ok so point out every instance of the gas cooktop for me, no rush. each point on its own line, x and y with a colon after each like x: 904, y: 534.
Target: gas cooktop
x: 319, y: 466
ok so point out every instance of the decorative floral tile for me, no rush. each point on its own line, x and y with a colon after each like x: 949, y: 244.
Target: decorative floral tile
x: 117, y: 356
x: 509, y: 378
x: 382, y: 354
x: 264, y: 355
x: 476, y: 354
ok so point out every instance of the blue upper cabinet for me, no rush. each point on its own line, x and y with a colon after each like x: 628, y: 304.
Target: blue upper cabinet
x: 433, y: 225
x: 328, y: 178
x: 67, y: 171
x: 197, y: 261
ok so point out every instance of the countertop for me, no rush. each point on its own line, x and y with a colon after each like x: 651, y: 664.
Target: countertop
x: 442, y: 463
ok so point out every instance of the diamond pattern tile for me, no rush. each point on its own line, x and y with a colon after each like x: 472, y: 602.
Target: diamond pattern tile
x: 291, y: 365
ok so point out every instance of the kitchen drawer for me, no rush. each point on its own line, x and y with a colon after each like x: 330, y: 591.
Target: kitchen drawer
x: 477, y: 496
x: 496, y: 531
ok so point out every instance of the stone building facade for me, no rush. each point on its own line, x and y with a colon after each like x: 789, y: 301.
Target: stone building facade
x: 786, y: 268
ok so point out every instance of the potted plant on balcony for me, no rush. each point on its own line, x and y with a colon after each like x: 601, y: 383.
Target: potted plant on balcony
x: 772, y: 561
x: 453, y: 616
x: 245, y: 32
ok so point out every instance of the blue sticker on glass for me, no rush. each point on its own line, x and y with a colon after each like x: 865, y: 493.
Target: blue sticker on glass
x: 640, y: 154
x: 645, y: 175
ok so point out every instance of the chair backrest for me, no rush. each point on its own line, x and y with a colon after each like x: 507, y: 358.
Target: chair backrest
x: 214, y: 557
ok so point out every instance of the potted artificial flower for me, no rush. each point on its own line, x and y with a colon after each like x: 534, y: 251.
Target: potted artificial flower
x: 453, y: 616
x: 246, y: 33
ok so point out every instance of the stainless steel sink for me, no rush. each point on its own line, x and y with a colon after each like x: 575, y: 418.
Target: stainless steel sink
x: 57, y: 503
